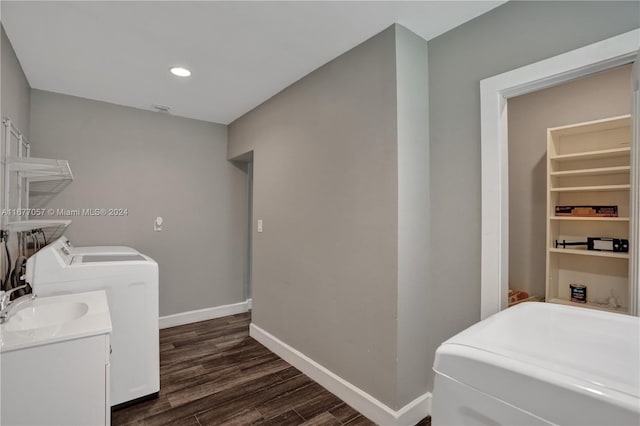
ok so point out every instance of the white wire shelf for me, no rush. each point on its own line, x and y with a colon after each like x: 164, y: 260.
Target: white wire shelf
x: 40, y: 169
x: 28, y: 225
x: 53, y: 229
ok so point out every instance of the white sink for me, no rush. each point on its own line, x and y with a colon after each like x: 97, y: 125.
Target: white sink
x: 34, y: 316
x: 45, y: 320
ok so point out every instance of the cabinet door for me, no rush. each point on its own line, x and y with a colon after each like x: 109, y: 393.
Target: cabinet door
x: 61, y: 383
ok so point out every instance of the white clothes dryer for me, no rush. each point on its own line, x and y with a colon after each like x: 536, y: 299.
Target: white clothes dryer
x: 541, y: 364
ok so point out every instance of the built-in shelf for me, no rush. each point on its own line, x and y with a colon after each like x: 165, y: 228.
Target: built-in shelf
x: 593, y: 172
x: 590, y: 218
x: 588, y: 164
x: 593, y: 155
x: 595, y: 188
x: 590, y: 305
x: 593, y: 126
x: 585, y: 252
x: 40, y: 169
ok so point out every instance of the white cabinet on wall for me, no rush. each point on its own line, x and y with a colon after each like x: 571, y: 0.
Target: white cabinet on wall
x: 588, y: 165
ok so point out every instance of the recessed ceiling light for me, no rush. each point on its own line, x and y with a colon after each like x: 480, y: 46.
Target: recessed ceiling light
x: 180, y: 72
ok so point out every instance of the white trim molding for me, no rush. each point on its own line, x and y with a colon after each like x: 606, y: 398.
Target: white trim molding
x: 494, y: 92
x: 634, y: 230
x: 366, y: 404
x: 203, y: 314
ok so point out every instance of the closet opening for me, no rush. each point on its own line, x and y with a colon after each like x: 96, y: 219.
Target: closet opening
x: 494, y: 92
x: 569, y: 182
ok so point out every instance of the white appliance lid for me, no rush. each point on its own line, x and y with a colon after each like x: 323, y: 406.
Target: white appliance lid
x: 599, y: 347
x: 94, y: 258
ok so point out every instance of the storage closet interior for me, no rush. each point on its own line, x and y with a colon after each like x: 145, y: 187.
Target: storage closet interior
x: 576, y: 120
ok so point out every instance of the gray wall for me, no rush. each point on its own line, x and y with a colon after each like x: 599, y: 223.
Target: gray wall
x: 15, y: 88
x: 15, y: 98
x: 341, y: 181
x: 325, y: 185
x: 603, y: 95
x: 413, y: 214
x: 510, y: 36
x: 152, y: 164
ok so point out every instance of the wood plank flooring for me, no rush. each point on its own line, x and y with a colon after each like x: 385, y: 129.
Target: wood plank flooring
x: 213, y: 373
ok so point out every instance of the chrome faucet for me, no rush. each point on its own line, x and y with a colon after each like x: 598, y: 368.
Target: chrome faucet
x: 6, y: 303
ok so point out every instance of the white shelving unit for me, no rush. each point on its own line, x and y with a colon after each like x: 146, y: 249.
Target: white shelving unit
x: 40, y: 169
x: 41, y: 179
x: 27, y: 177
x: 588, y: 164
x: 53, y: 229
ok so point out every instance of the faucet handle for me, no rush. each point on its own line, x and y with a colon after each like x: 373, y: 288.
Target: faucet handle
x: 7, y: 294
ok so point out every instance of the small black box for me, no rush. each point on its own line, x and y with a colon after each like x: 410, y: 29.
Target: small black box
x: 608, y: 244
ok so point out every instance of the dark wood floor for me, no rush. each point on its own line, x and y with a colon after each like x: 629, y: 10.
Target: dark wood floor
x: 213, y: 373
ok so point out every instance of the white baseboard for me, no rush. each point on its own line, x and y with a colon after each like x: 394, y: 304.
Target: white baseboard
x: 366, y: 404
x: 203, y: 314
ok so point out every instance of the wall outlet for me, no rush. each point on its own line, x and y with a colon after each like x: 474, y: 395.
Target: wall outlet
x: 259, y: 225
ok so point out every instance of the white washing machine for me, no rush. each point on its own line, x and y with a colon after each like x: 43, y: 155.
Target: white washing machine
x: 541, y: 364
x: 130, y: 281
x: 64, y: 242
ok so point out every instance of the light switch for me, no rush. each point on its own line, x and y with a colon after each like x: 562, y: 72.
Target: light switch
x: 259, y: 225
x: 157, y: 224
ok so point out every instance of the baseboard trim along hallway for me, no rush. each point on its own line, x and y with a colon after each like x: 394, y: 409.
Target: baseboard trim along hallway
x: 203, y: 314
x: 370, y: 407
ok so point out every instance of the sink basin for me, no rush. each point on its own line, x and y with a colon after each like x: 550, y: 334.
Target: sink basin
x: 52, y: 319
x: 32, y: 317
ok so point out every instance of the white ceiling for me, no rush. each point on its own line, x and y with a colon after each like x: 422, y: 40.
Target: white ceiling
x: 240, y: 53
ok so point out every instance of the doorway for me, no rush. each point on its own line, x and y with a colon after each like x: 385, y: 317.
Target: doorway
x: 592, y: 98
x: 495, y: 91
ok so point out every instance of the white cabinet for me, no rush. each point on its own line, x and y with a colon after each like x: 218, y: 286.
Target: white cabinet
x: 64, y: 383
x: 55, y: 361
x: 588, y: 164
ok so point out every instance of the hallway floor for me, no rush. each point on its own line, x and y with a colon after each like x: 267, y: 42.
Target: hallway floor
x: 213, y: 373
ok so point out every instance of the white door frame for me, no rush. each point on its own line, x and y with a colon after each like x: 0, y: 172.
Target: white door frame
x: 494, y: 92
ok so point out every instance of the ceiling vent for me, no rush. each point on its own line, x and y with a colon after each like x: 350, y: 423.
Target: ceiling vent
x: 161, y: 108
